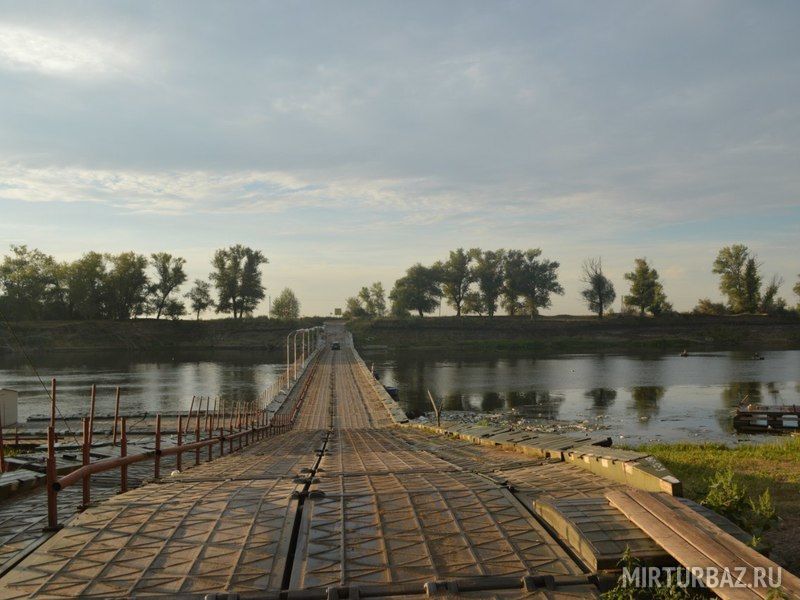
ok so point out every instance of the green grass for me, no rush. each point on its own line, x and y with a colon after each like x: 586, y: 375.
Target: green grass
x: 772, y: 466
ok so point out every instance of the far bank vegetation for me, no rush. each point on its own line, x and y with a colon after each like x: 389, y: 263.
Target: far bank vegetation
x: 524, y: 282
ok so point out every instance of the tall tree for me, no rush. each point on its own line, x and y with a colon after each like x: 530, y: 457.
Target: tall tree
x: 796, y: 288
x: 752, y: 286
x: 513, y: 281
x: 87, y: 287
x: 417, y: 291
x: 377, y: 297
x: 127, y: 285
x: 473, y: 303
x: 174, y: 309
x: 200, y: 297
x: 732, y: 264
x: 354, y: 307
x: 170, y: 276
x: 770, y: 302
x: 286, y: 305
x: 456, y: 277
x: 647, y: 292
x: 365, y: 299
x: 30, y: 284
x: 706, y: 307
x: 369, y: 302
x: 237, y: 277
x: 539, y: 282
x: 599, y: 293
x: 487, y: 272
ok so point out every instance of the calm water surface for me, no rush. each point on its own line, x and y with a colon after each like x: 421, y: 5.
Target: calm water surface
x: 149, y: 383
x: 637, y: 397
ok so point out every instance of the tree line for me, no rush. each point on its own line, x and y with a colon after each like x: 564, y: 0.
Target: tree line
x: 481, y: 282
x: 34, y: 285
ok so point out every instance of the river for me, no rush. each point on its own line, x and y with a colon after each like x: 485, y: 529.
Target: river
x: 632, y: 397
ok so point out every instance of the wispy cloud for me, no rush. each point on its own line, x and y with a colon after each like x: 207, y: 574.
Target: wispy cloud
x: 389, y: 133
x: 60, y: 53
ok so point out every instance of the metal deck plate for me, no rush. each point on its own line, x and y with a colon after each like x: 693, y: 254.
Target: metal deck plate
x: 416, y: 528
x: 555, y: 480
x: 375, y: 451
x: 167, y: 539
x: 285, y: 455
x: 465, y: 454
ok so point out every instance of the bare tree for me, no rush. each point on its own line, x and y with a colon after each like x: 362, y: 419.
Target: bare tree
x: 599, y: 293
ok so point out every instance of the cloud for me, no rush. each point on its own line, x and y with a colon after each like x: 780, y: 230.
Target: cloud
x: 401, y: 131
x: 60, y: 54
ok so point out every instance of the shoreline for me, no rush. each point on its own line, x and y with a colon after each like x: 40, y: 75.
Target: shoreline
x: 575, y: 334
x: 149, y: 335
x: 480, y: 334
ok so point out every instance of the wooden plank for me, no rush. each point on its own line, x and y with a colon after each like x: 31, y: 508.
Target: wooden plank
x: 722, y: 538
x: 664, y: 534
x: 723, y: 556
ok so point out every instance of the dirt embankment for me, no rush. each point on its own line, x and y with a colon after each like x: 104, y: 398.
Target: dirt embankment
x: 149, y: 334
x: 567, y: 333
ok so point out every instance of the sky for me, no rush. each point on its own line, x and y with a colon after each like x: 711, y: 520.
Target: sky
x: 349, y: 140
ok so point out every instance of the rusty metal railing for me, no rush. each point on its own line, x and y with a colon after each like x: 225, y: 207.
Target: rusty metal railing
x: 244, y: 427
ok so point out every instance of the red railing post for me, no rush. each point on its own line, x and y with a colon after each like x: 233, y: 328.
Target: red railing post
x: 157, y: 461
x: 208, y: 427
x: 123, y: 452
x: 239, y: 425
x: 221, y: 423
x: 50, y: 474
x: 87, y: 482
x: 116, y: 416
x: 53, y: 403
x: 230, y: 437
x: 180, y: 442
x: 197, y: 433
x: 91, y: 414
x: 189, y: 420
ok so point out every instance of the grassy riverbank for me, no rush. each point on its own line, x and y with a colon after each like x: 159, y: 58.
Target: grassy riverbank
x: 773, y: 466
x: 559, y: 333
x: 150, y: 335
x: 567, y: 333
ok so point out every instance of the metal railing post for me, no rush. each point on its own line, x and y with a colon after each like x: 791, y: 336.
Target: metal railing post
x: 123, y: 452
x: 50, y: 474
x: 116, y: 416
x: 197, y: 433
x: 87, y: 441
x: 221, y: 423
x: 180, y: 443
x: 53, y: 403
x: 91, y: 414
x: 230, y: 430
x: 208, y: 426
x: 157, y: 461
x: 239, y: 425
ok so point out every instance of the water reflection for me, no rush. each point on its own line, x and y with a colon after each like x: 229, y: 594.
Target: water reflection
x: 601, y: 398
x: 650, y: 396
x: 159, y: 383
x: 645, y: 400
x: 535, y: 404
x: 742, y: 392
x: 647, y: 396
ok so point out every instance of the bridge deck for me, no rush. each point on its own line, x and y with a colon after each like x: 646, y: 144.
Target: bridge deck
x: 344, y: 499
